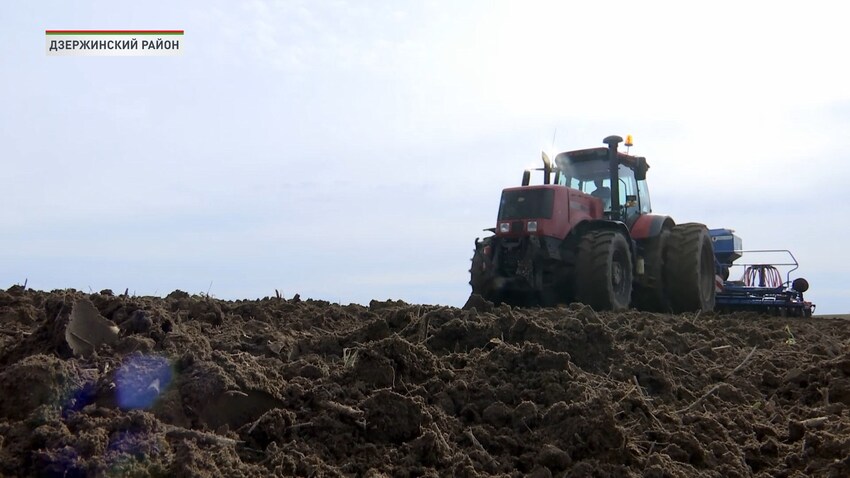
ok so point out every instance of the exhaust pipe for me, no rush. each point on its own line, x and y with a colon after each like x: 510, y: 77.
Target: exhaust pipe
x: 547, y: 168
x: 614, y: 166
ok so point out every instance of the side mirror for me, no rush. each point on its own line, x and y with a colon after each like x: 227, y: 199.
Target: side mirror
x: 640, y: 169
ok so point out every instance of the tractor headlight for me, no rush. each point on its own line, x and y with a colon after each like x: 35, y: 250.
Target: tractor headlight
x: 505, y: 227
x: 532, y: 226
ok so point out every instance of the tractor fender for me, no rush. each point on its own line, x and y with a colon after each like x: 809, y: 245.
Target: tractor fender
x: 650, y: 225
x: 584, y: 227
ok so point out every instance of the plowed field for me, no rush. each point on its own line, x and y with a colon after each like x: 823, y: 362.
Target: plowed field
x: 194, y: 386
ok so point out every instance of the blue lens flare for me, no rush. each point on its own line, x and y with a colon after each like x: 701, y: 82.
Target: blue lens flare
x: 141, y: 380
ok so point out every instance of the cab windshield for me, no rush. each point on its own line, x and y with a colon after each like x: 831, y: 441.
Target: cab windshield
x: 592, y: 177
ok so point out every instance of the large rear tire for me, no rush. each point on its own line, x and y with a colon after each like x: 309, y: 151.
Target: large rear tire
x: 689, y: 268
x: 604, y: 271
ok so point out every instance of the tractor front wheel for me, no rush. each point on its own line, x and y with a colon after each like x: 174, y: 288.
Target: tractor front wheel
x: 604, y: 271
x: 481, y: 277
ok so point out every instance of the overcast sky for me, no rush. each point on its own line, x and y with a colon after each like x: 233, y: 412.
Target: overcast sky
x: 350, y: 151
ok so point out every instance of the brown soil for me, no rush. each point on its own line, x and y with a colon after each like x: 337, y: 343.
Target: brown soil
x: 200, y: 387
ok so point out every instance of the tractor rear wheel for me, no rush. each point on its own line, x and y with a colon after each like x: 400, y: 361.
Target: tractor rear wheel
x: 689, y: 268
x: 604, y: 271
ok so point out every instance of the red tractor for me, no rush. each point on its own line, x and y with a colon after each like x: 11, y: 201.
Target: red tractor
x: 587, y: 234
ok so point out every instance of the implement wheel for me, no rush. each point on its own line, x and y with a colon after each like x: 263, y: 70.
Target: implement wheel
x: 604, y: 271
x: 689, y: 268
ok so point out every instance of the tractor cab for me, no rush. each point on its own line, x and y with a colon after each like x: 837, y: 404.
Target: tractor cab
x: 624, y: 194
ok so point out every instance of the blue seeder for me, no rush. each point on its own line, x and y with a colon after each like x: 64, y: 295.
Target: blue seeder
x: 761, y: 287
